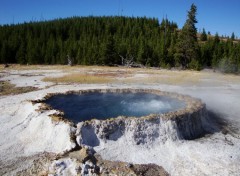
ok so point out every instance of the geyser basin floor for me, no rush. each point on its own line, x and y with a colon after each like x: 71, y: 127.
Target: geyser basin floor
x: 86, y: 106
x: 25, y: 131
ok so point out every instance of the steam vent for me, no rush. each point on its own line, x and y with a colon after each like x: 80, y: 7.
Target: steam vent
x: 138, y: 116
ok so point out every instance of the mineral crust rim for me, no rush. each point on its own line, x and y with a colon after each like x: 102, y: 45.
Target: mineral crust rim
x: 192, y: 104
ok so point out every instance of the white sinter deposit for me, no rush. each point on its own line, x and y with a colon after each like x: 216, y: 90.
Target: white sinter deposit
x: 25, y: 132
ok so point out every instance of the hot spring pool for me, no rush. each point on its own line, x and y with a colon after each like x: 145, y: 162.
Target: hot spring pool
x: 104, y: 105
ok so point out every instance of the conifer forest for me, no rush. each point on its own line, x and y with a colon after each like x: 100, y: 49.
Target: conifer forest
x: 109, y: 40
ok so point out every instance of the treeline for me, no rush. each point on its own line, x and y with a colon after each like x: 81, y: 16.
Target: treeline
x: 219, y: 53
x: 89, y: 40
x: 107, y: 40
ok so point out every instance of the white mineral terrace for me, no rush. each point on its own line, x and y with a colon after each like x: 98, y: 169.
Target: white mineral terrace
x: 26, y: 131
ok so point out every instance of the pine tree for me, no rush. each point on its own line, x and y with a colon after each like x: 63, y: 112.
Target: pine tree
x: 233, y: 36
x: 187, y: 46
x: 141, y: 57
x: 171, y: 50
x: 4, y: 53
x: 203, y: 36
x: 109, y: 52
x: 216, y: 39
x: 20, y: 56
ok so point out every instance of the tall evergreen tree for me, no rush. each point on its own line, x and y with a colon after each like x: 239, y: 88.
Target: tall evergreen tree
x: 187, y: 46
x: 216, y: 39
x: 203, y: 36
x: 233, y: 36
x: 20, y: 55
x: 4, y: 53
x: 109, y: 52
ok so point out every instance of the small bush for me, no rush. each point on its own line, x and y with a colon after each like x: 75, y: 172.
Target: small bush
x: 227, y: 65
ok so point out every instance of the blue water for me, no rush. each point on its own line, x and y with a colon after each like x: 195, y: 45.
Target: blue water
x: 109, y: 105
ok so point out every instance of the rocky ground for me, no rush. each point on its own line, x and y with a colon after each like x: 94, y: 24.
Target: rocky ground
x: 33, y: 143
x: 86, y: 162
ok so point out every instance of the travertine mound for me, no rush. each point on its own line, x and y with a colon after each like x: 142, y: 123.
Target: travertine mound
x: 186, y: 123
x: 152, y: 130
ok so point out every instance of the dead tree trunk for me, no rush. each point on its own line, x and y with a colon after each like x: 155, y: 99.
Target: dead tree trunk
x: 127, y: 61
x: 69, y: 59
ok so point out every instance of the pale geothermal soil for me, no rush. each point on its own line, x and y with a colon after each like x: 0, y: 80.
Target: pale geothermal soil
x: 28, y: 136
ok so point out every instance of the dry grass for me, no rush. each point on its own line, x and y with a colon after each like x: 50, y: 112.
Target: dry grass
x: 81, y: 78
x: 165, y: 77
x: 103, y: 74
x: 40, y: 67
x: 20, y: 67
x: 75, y: 68
x: 6, y: 88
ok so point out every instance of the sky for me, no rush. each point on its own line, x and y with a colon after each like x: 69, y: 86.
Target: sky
x: 220, y: 16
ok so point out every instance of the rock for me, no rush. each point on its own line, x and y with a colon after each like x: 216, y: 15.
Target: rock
x: 64, y: 166
x: 129, y: 165
x: 149, y: 170
x: 97, y: 169
x: 86, y: 158
x: 83, y: 155
x: 85, y: 169
x: 90, y: 169
x: 89, y: 163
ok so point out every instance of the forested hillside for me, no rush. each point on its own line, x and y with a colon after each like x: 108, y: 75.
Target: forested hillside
x: 106, y: 40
